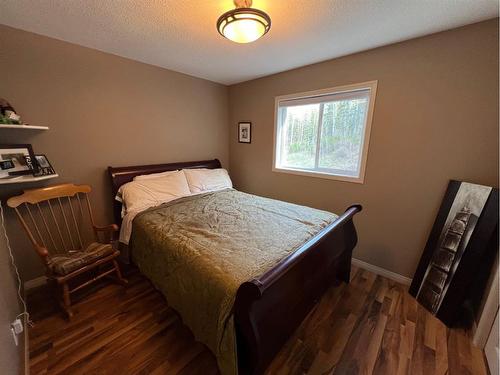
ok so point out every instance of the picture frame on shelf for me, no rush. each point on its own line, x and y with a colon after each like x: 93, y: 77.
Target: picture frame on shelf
x: 16, y: 160
x: 44, y: 168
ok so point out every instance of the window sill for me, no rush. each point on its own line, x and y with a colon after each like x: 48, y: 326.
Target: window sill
x: 299, y: 172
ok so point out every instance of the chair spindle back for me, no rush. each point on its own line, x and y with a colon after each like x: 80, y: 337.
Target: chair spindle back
x: 55, y: 218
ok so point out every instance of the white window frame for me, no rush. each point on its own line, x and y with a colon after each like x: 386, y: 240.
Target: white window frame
x: 372, y: 87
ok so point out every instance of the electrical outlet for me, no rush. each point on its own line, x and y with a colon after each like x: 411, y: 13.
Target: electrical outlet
x: 16, y: 328
x: 16, y: 340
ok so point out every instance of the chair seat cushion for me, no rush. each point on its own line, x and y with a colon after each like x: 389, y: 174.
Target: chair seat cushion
x: 67, y: 263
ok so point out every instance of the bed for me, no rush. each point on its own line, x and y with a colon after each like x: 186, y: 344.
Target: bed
x: 268, y: 306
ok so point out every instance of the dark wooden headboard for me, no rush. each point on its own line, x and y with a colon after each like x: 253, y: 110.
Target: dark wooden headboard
x: 122, y: 175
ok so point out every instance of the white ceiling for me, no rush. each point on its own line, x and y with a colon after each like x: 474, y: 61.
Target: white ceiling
x: 181, y: 34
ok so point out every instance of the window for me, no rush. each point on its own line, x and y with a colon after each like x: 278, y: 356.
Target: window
x: 325, y: 133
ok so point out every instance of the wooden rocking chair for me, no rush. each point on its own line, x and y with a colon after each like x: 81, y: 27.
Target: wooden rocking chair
x: 55, y: 220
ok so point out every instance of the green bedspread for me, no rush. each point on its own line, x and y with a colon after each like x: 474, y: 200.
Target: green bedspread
x: 198, y: 250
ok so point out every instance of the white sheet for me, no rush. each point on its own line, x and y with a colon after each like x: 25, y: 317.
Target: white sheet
x: 126, y: 228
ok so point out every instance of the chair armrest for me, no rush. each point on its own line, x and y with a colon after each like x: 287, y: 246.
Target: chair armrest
x: 42, y: 251
x: 108, y: 228
x: 107, y: 231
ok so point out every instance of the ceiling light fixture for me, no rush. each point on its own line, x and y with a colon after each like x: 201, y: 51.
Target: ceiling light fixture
x: 243, y: 24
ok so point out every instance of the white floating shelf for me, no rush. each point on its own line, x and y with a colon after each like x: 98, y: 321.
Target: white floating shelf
x: 24, y: 127
x: 25, y: 179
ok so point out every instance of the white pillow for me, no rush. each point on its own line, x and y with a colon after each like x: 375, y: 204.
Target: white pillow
x: 153, y: 175
x: 204, y: 180
x: 137, y: 196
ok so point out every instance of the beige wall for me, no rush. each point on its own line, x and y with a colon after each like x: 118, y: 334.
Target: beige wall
x: 11, y: 357
x: 103, y: 110
x: 435, y: 119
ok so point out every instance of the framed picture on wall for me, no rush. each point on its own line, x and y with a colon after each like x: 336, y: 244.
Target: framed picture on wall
x: 245, y: 132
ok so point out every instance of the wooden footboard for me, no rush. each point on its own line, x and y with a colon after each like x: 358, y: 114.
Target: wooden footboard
x: 270, y: 308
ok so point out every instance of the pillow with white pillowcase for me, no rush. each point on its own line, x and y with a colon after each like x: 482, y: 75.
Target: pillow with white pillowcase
x: 153, y: 175
x: 139, y: 195
x: 202, y: 180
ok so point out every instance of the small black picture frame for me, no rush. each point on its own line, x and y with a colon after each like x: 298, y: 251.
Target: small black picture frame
x: 245, y: 132
x: 44, y: 168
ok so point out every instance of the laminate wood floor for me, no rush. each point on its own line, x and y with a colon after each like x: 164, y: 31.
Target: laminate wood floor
x: 371, y: 326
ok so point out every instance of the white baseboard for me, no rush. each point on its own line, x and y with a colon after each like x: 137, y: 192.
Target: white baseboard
x: 382, y: 272
x: 35, y: 283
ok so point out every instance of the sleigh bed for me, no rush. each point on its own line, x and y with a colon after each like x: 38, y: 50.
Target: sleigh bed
x: 269, y: 307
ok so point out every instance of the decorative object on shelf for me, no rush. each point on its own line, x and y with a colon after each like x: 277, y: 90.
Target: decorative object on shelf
x: 245, y: 132
x: 8, y: 114
x: 243, y: 24
x: 456, y: 250
x: 44, y: 168
x: 16, y: 160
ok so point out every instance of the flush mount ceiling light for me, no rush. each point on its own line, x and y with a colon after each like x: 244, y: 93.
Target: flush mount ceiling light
x: 243, y: 24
